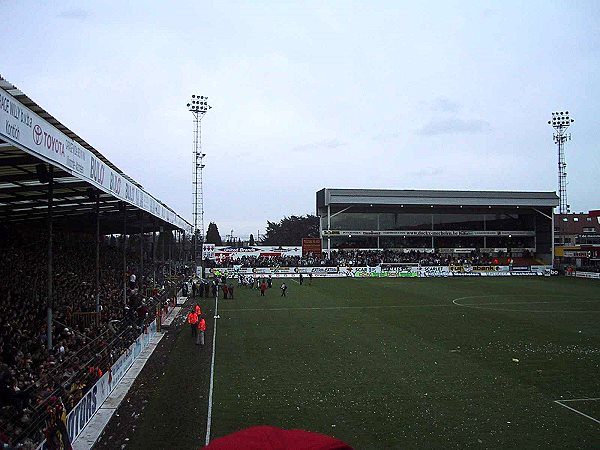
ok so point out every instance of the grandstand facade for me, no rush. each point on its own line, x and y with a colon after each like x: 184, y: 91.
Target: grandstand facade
x: 96, y: 299
x: 497, y: 223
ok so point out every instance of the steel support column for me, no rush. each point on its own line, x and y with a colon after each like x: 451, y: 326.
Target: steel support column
x: 50, y: 300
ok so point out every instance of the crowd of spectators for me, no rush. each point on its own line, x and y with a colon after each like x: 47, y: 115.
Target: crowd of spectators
x: 85, y: 341
x: 88, y: 337
x: 363, y: 258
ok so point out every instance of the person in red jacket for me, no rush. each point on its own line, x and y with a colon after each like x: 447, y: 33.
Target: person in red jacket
x: 263, y: 288
x: 192, y: 319
x: 201, y: 330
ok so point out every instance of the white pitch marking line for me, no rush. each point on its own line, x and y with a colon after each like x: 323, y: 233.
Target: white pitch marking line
x: 574, y: 410
x: 212, y: 373
x: 484, y: 306
x: 323, y: 308
x: 578, y: 399
x: 523, y: 303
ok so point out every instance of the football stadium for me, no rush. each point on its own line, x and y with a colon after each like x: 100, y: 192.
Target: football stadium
x: 418, y: 319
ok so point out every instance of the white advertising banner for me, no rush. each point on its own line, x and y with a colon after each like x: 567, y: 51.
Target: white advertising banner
x: 425, y: 233
x: 20, y: 125
x: 82, y: 413
x: 591, y: 275
x: 465, y: 270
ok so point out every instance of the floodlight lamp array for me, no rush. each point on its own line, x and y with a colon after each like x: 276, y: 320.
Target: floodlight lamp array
x: 561, y: 119
x: 199, y: 104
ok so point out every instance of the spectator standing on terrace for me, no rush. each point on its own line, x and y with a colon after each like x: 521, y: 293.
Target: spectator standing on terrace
x: 283, y: 290
x: 132, y: 280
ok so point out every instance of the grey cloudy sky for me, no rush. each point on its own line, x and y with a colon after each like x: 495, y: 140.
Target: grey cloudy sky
x: 305, y: 95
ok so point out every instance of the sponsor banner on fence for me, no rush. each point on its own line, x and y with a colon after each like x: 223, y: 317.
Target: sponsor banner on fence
x: 591, y: 275
x: 82, y: 413
x: 470, y: 268
x: 390, y: 271
x: 526, y: 274
x: 496, y: 274
x: 433, y: 271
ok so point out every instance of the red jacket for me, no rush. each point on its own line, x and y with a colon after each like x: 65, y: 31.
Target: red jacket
x: 192, y: 318
x: 202, y: 325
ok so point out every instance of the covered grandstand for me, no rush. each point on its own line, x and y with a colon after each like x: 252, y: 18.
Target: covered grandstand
x: 70, y: 306
x: 496, y: 223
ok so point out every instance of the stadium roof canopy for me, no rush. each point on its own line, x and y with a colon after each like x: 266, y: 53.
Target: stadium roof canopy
x: 31, y: 141
x: 383, y: 197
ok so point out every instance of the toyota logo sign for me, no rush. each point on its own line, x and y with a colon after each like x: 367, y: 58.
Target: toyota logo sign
x: 37, y: 135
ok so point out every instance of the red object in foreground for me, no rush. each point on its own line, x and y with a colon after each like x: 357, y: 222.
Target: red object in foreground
x: 272, y: 438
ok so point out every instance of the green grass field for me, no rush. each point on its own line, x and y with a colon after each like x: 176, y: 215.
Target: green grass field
x: 397, y: 363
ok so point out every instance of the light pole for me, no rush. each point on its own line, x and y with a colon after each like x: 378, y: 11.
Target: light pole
x: 560, y: 122
x: 198, y: 106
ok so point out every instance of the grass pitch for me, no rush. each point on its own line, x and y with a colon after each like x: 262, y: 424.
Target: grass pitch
x: 405, y: 363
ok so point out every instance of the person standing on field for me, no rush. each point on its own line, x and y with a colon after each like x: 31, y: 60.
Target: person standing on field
x: 201, y: 330
x: 283, y: 289
x: 192, y: 319
x: 263, y: 288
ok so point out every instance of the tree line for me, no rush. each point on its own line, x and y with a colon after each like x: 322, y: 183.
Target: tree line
x: 288, y: 231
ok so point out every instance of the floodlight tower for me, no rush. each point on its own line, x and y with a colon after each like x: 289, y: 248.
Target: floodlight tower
x: 560, y: 122
x: 198, y: 106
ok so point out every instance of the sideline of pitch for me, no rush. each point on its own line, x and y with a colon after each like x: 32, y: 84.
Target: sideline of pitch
x: 96, y: 425
x: 93, y: 430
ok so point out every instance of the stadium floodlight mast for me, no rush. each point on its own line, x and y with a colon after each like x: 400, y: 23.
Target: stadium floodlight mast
x: 198, y: 106
x: 561, y: 122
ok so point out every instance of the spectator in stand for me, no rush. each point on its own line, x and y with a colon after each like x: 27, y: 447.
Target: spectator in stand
x: 86, y: 341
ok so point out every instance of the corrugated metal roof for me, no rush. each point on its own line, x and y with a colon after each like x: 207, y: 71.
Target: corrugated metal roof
x: 24, y: 198
x: 434, y: 197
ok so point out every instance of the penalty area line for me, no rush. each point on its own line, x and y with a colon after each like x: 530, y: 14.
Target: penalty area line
x: 575, y: 410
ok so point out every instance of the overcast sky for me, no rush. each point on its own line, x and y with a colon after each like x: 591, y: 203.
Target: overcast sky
x: 306, y: 95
